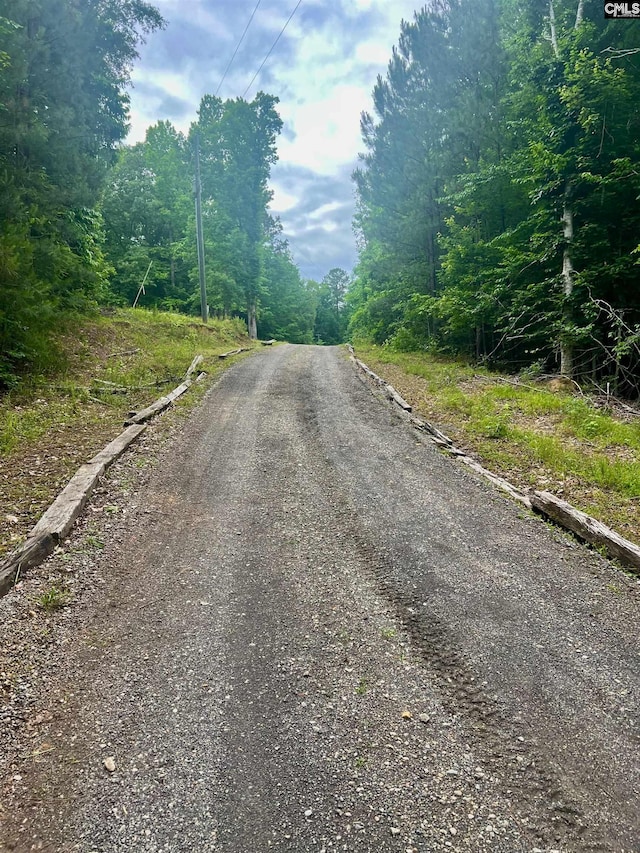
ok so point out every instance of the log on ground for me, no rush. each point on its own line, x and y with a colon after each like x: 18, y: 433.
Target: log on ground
x: 31, y: 553
x: 59, y: 518
x: 590, y: 529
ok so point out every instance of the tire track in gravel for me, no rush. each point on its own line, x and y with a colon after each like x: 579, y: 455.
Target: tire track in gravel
x: 570, y: 811
x: 496, y: 738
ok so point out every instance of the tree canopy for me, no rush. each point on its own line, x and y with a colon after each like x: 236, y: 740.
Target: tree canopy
x: 498, y: 190
x: 86, y: 220
x: 63, y: 109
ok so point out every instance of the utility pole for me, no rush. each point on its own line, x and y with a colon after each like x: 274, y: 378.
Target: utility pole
x: 200, y: 236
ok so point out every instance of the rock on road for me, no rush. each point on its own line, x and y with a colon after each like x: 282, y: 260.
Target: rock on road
x: 320, y: 634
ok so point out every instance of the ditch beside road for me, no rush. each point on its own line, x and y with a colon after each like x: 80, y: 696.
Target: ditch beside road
x: 314, y: 632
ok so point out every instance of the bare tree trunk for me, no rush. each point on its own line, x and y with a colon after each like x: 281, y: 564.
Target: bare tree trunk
x: 568, y: 272
x: 568, y: 283
x: 172, y: 263
x: 554, y: 33
x: 252, y: 322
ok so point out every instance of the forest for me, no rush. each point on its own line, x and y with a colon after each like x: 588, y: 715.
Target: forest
x: 498, y: 191
x: 497, y: 220
x: 87, y: 221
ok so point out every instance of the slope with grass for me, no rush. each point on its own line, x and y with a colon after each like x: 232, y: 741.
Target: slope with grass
x: 544, y: 435
x: 105, y: 367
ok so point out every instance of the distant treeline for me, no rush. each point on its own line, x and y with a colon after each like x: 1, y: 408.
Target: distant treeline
x: 84, y: 221
x: 498, y: 196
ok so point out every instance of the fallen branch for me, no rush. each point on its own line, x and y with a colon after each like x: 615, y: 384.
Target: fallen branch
x: 124, y: 352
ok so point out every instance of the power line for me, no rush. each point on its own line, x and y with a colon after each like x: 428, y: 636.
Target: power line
x: 237, y: 47
x: 273, y: 46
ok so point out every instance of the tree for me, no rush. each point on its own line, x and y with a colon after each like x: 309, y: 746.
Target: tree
x: 497, y: 196
x: 147, y: 207
x: 331, y: 315
x: 238, y: 145
x: 64, y: 109
x: 288, y: 304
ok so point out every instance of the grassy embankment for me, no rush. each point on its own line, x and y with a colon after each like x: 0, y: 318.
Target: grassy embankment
x: 535, y: 434
x: 104, y: 367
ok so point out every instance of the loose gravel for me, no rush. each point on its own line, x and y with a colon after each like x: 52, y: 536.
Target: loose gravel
x: 301, y: 627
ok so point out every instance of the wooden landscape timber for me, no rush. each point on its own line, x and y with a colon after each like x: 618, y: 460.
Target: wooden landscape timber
x: 392, y: 394
x: 58, y: 520
x: 159, y: 405
x: 368, y: 372
x: 231, y: 352
x: 194, y: 364
x: 163, y: 403
x: 587, y: 528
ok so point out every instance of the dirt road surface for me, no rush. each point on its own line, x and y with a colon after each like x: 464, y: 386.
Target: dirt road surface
x: 317, y: 633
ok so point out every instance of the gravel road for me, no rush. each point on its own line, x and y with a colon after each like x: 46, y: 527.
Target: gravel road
x: 317, y: 633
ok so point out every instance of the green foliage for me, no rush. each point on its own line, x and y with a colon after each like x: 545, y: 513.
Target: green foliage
x: 332, y: 311
x: 238, y: 146
x: 147, y: 208
x: 54, y: 598
x: 64, y: 109
x: 287, y: 303
x: 150, y: 222
x: 490, y: 133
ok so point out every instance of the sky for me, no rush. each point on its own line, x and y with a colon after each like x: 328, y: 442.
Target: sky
x: 323, y: 70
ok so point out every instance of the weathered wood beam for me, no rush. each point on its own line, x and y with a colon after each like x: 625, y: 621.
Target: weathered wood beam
x: 392, y: 394
x: 58, y: 520
x: 194, y: 364
x: 159, y: 405
x: 590, y: 529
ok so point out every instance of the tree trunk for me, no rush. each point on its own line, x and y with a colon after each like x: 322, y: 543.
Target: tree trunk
x: 251, y: 320
x: 568, y: 282
x: 172, y: 264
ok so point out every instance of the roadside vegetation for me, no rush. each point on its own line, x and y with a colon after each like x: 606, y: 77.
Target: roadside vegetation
x: 538, y: 433
x: 103, y: 367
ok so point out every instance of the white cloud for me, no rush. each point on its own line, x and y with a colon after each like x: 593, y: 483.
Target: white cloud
x: 326, y: 130
x: 197, y: 12
x: 282, y: 200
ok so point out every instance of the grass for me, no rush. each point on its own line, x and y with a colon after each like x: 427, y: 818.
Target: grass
x: 102, y: 368
x: 535, y: 434
x: 53, y: 599
x: 362, y: 687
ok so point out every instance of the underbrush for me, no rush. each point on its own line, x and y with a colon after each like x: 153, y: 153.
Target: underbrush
x: 538, y: 434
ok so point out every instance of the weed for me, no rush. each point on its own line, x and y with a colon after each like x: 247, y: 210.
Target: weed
x: 93, y: 541
x: 363, y: 686
x: 54, y: 598
x: 388, y: 633
x: 360, y: 762
x: 494, y: 426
